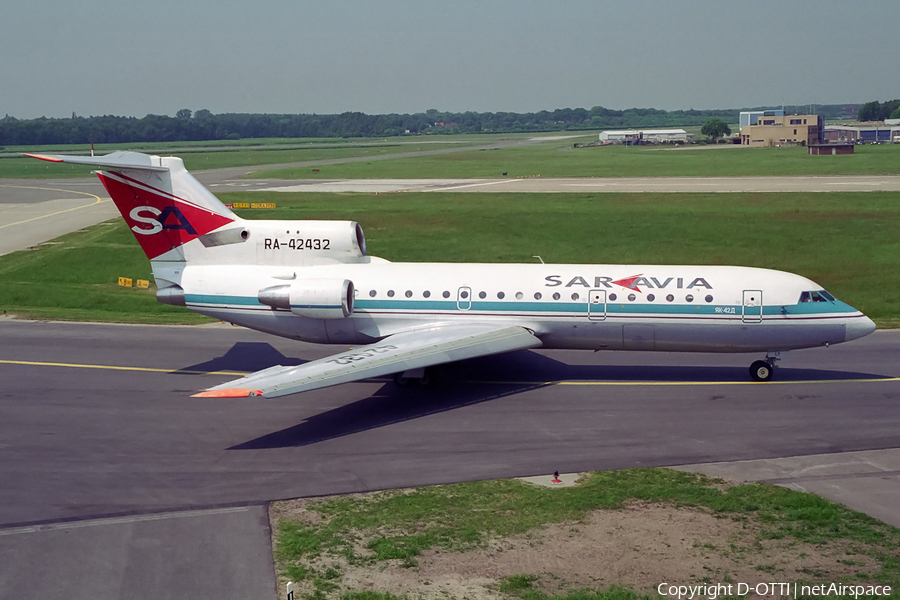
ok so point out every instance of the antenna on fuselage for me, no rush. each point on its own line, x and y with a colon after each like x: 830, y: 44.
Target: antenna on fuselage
x: 539, y: 258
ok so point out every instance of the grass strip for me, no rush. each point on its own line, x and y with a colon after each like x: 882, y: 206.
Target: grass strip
x: 210, y: 159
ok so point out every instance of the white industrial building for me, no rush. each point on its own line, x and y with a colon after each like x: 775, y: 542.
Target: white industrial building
x: 645, y: 136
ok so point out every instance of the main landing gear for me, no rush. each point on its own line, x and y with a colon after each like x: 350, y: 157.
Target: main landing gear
x: 762, y: 370
x: 424, y: 377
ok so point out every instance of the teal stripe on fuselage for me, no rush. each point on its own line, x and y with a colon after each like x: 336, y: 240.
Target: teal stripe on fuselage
x: 229, y: 300
x: 811, y: 308
x: 550, y: 308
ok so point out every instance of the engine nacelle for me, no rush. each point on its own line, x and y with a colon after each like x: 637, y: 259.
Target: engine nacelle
x: 313, y: 298
x: 306, y: 243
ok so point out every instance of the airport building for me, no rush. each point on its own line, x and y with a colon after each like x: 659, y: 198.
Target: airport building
x: 752, y: 117
x: 862, y: 133
x: 774, y: 128
x: 646, y: 136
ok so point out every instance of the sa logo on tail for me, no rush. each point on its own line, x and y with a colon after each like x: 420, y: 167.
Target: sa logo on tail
x: 160, y: 220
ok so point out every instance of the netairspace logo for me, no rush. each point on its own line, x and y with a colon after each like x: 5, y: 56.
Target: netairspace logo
x: 781, y: 590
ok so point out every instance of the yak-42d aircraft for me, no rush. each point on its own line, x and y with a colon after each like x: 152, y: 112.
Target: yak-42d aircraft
x: 313, y: 281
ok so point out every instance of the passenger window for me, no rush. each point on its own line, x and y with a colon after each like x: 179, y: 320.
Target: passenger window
x: 612, y: 297
x: 575, y: 296
x: 537, y: 295
x: 501, y: 295
x: 519, y: 295
x: 372, y: 293
x: 650, y: 297
x: 426, y: 293
x: 556, y: 296
x: 482, y: 295
x: 631, y: 297
x: 409, y: 293
x: 446, y: 294
x: 390, y: 293
x: 670, y: 298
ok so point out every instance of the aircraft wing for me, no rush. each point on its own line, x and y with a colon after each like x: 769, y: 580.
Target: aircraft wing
x: 396, y: 353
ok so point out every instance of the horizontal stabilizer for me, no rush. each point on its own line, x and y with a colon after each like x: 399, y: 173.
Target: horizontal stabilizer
x: 122, y: 159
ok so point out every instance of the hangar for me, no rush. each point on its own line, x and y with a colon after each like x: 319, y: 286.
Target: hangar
x: 646, y: 136
x: 887, y: 131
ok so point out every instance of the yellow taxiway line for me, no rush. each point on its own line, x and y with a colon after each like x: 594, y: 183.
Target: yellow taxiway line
x: 115, y: 368
x: 99, y: 200
x: 537, y: 383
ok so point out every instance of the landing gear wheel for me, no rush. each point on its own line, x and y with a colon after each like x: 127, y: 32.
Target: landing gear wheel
x: 761, y: 371
x: 401, y: 381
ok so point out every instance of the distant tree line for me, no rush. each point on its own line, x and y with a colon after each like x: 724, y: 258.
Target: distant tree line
x: 204, y: 125
x: 879, y: 111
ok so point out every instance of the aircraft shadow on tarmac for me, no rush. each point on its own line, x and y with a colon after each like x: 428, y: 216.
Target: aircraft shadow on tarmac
x: 243, y: 357
x: 490, y: 378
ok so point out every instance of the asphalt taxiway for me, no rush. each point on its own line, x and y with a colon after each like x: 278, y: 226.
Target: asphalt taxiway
x: 98, y: 425
x: 555, y: 185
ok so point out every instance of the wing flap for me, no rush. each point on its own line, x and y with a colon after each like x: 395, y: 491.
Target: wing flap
x: 400, y: 352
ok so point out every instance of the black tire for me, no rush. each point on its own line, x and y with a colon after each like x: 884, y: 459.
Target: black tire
x: 429, y: 378
x: 401, y: 381
x: 761, y: 371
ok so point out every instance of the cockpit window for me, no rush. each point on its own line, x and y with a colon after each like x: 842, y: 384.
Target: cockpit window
x: 817, y: 296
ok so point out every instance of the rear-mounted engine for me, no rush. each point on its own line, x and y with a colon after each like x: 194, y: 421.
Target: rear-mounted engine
x: 306, y: 242
x: 313, y: 298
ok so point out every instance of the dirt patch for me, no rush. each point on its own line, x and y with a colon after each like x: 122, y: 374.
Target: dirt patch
x: 638, y: 547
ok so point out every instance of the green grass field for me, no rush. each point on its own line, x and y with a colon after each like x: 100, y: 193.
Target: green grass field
x: 846, y: 242
x: 383, y: 527
x: 561, y: 160
x: 219, y: 154
x: 197, y: 161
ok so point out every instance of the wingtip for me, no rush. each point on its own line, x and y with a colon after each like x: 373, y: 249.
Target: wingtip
x: 41, y: 157
x: 229, y: 393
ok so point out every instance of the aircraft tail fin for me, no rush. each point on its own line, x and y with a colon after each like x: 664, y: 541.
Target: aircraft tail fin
x: 163, y: 204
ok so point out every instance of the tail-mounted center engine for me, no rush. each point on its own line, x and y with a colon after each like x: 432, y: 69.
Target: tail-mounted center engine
x: 307, y: 243
x: 313, y: 298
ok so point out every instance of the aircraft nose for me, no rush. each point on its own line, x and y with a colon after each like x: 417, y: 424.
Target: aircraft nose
x: 858, y: 328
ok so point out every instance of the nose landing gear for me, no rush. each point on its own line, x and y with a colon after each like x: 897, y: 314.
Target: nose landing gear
x: 762, y: 370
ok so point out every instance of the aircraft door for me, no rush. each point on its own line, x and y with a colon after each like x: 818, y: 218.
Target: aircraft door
x: 597, y: 305
x: 464, y: 298
x: 752, y: 306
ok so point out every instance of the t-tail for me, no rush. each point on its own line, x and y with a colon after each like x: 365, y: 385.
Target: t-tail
x: 164, y: 206
x: 181, y: 225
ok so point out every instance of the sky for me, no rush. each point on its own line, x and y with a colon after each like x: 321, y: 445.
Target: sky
x: 96, y: 57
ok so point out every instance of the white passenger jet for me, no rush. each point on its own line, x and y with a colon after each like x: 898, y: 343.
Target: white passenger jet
x: 313, y: 281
